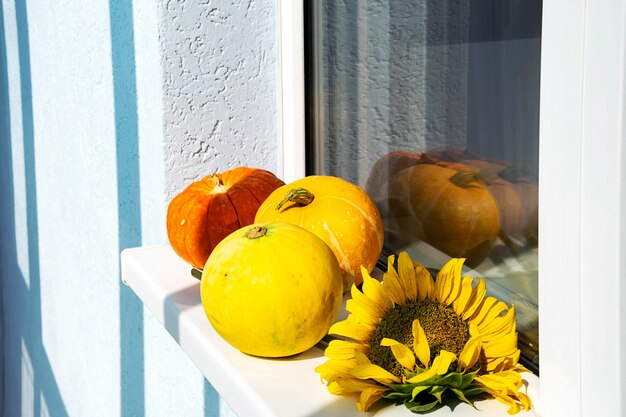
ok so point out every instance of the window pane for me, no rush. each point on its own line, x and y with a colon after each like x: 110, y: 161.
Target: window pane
x: 432, y: 106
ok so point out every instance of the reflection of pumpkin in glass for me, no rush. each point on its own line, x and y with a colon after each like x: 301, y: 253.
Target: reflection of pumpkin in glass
x: 512, y: 221
x: 383, y: 169
x: 451, y: 210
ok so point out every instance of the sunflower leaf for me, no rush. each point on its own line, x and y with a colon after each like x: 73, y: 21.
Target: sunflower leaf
x: 397, y: 396
x: 430, y: 381
x: 402, y: 388
x: 417, y: 390
x: 453, y: 379
x: 461, y: 396
x: 473, y: 390
x: 437, y: 392
x: 467, y: 379
x: 416, y: 407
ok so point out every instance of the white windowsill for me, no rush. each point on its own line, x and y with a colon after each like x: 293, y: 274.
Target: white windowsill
x: 252, y: 386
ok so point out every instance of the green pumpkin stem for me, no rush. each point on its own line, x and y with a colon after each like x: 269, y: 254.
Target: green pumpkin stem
x: 465, y: 178
x: 297, y: 195
x: 196, y: 273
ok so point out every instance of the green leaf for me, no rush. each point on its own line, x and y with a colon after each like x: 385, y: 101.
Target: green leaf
x: 196, y: 273
x: 453, y: 379
x: 437, y: 391
x: 417, y: 390
x: 397, y: 396
x: 418, y: 408
x: 403, y: 388
x: 467, y: 379
x: 473, y: 390
x: 461, y: 396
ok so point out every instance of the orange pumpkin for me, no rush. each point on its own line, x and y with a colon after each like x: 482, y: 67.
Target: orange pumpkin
x: 210, y: 209
x: 340, y: 213
x: 451, y: 210
x: 507, y: 198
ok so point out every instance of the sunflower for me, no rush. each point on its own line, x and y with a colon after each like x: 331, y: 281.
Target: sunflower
x: 418, y: 341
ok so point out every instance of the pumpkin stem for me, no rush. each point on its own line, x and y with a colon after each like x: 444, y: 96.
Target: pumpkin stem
x: 256, y: 232
x: 297, y: 195
x: 465, y: 178
x: 196, y: 273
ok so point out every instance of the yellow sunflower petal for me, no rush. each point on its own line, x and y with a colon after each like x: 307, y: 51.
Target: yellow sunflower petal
x: 425, y: 282
x: 376, y: 310
x: 514, y: 407
x: 470, y: 353
x: 370, y: 396
x: 473, y: 329
x: 375, y: 372
x: 448, y: 283
x: 460, y: 304
x: 363, y: 313
x: 478, y: 295
x: 420, y: 343
x: 500, y: 364
x: 373, y: 289
x: 361, y: 358
x: 443, y: 361
x: 504, y: 346
x: 403, y: 354
x: 391, y: 283
x: 494, y: 312
x: 407, y: 276
x: 331, y: 369
x: 427, y: 374
x: 347, y: 385
x: 491, y: 307
x: 441, y: 364
x: 342, y: 350
x: 352, y: 329
x: 499, y: 325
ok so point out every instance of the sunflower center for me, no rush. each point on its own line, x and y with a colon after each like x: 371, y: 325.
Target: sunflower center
x: 444, y: 329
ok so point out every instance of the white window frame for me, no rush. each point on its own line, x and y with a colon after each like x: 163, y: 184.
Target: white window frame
x: 582, y: 261
x: 582, y: 208
x: 290, y: 18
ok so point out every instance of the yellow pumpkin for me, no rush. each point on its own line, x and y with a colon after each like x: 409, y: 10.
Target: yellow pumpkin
x: 271, y: 289
x: 339, y: 212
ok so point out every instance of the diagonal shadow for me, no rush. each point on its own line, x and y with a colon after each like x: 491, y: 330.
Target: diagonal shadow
x: 132, y: 373
x: 23, y: 309
x: 173, y: 305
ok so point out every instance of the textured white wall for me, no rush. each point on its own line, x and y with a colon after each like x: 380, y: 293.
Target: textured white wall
x: 220, y: 92
x: 109, y: 109
x: 394, y: 78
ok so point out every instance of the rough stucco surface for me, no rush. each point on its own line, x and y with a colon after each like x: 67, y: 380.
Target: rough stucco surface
x: 71, y: 199
x: 394, y: 78
x: 219, y: 67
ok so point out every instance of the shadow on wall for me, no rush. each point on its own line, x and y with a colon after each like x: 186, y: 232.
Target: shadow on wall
x: 23, y: 348
x: 129, y: 209
x: 132, y: 374
x: 27, y: 376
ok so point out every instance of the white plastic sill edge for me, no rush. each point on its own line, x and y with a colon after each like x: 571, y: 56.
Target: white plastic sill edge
x: 250, y: 385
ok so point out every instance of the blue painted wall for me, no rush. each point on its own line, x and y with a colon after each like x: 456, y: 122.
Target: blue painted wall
x: 92, y: 137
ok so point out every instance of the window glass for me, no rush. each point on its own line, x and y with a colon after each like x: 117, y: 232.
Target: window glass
x: 432, y: 106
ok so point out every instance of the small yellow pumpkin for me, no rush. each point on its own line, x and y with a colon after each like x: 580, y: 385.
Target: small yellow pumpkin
x: 339, y: 212
x: 271, y: 289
